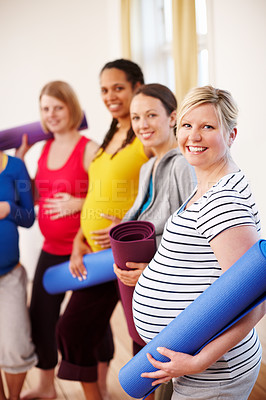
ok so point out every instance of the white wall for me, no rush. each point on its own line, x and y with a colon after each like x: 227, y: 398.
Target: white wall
x: 55, y: 39
x: 48, y: 40
x: 238, y: 63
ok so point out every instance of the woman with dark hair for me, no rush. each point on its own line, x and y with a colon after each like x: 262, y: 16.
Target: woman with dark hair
x: 83, y: 332
x: 165, y: 181
x: 134, y: 77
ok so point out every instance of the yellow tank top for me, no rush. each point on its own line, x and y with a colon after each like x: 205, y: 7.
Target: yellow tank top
x: 113, y: 186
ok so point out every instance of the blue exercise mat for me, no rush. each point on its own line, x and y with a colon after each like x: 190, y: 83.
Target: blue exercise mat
x: 99, y: 266
x: 235, y: 293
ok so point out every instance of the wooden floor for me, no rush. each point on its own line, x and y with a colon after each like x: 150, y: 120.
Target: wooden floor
x: 68, y: 390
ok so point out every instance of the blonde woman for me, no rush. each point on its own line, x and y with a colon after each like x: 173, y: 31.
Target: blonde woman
x: 205, y: 236
x: 61, y: 182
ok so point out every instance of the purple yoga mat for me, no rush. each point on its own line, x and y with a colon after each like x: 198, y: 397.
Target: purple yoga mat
x: 132, y: 241
x: 11, y: 138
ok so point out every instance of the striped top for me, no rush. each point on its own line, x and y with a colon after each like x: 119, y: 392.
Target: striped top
x: 185, y: 265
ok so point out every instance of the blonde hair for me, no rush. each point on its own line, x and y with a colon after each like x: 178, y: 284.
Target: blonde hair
x: 225, y: 106
x: 64, y: 92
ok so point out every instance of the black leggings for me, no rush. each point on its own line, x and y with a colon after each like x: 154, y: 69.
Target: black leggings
x: 44, y: 312
x: 83, y: 332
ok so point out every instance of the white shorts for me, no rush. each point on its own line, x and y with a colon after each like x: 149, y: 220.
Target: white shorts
x: 16, y: 348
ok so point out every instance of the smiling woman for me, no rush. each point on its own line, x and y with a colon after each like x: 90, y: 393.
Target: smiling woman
x: 165, y: 182
x: 115, y: 90
x: 83, y: 332
x: 152, y: 121
x: 220, y: 222
x: 54, y: 113
x: 206, y: 132
x: 56, y: 97
x: 202, y: 139
x: 61, y: 182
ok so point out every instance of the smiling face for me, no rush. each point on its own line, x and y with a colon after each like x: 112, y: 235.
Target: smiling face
x: 151, y: 123
x: 116, y: 92
x: 202, y: 140
x: 54, y: 114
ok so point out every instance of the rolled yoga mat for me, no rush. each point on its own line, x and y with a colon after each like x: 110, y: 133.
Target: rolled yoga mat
x: 132, y: 241
x: 99, y: 266
x: 12, y: 138
x: 235, y: 293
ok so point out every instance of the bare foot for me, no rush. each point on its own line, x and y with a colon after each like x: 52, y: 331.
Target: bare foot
x: 45, y: 388
x: 106, y: 396
x: 39, y: 393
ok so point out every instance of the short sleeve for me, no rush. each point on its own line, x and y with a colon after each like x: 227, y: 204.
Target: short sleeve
x: 223, y: 210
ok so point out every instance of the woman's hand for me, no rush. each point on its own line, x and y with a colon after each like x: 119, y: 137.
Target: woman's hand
x: 130, y: 278
x: 184, y: 364
x: 24, y: 147
x: 62, y: 204
x: 4, y: 209
x: 80, y: 248
x: 179, y: 364
x: 101, y: 237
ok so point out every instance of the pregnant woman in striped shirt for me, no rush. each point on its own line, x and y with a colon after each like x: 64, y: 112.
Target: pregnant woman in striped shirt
x: 201, y: 240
